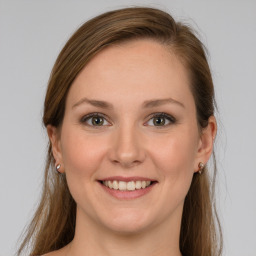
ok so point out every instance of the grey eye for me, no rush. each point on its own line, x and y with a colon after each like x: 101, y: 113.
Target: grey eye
x: 161, y: 119
x: 158, y: 121
x: 94, y: 119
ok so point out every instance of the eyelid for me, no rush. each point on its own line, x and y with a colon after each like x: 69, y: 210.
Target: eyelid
x: 170, y: 118
x: 94, y: 114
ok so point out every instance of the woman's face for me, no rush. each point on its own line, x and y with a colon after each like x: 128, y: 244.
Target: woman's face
x: 130, y: 122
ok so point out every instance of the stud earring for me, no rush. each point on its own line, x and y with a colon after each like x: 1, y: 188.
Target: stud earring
x: 201, y: 167
x: 58, y: 167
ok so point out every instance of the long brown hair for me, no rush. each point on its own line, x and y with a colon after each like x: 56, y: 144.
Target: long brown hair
x: 53, y: 225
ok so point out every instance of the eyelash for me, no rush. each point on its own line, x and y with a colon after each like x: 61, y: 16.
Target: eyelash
x: 170, y: 118
x: 85, y: 118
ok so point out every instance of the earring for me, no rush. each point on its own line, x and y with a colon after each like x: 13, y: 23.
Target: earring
x: 58, y: 167
x: 201, y: 167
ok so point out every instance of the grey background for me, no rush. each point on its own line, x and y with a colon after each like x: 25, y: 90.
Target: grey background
x: 32, y: 34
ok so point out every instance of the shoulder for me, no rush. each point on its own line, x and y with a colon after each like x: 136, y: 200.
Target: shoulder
x: 60, y: 252
x: 54, y: 253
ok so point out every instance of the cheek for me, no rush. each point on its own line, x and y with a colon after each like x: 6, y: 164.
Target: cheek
x: 175, y: 163
x: 176, y: 153
x: 81, y: 154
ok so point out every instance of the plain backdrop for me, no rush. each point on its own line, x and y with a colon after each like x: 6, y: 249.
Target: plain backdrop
x: 31, y: 35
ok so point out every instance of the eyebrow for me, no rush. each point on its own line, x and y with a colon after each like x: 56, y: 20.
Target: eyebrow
x: 160, y: 102
x: 95, y: 103
x: 146, y: 104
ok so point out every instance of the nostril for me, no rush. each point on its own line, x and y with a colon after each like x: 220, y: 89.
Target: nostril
x: 126, y: 164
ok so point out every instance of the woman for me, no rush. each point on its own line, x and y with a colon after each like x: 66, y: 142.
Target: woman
x: 129, y: 111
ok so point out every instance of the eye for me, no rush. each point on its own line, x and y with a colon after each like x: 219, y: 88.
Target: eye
x: 95, y: 119
x: 161, y: 119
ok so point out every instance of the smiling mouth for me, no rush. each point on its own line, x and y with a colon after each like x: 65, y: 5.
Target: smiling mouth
x: 127, y: 186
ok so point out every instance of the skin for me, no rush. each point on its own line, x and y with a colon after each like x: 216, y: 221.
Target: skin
x: 129, y: 143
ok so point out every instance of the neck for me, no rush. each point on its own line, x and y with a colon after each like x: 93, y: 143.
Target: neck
x: 90, y: 239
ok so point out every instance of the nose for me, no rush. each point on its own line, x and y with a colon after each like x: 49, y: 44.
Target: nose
x: 127, y: 147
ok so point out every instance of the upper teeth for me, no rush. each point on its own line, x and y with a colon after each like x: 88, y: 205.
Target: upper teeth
x: 122, y: 185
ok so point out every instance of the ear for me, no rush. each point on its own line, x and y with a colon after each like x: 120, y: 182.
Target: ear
x: 54, y: 137
x: 206, y: 143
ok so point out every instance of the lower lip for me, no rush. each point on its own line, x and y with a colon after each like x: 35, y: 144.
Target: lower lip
x: 128, y: 195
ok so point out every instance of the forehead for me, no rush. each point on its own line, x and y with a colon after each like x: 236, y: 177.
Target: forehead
x: 139, y: 68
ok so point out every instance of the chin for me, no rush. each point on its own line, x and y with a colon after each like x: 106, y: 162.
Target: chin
x: 127, y: 229
x: 128, y: 223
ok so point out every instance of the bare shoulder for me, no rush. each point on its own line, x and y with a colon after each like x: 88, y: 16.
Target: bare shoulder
x: 54, y: 253
x: 60, y: 252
